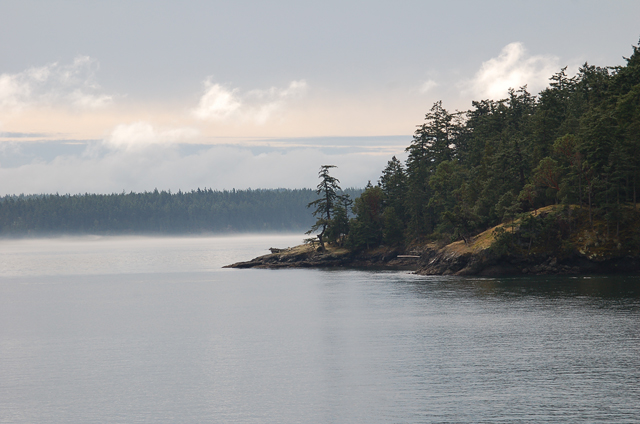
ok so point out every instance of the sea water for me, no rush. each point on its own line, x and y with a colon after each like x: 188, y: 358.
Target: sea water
x: 144, y: 329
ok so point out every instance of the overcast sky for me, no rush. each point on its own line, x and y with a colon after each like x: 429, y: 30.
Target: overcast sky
x: 105, y: 96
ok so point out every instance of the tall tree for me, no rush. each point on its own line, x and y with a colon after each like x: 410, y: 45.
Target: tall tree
x: 367, y: 227
x: 327, y: 189
x: 433, y: 143
x: 393, y: 183
x: 338, y: 227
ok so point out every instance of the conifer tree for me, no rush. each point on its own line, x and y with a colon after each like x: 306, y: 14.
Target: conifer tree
x: 327, y: 189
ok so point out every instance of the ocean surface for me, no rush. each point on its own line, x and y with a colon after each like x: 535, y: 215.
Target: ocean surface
x: 142, y: 329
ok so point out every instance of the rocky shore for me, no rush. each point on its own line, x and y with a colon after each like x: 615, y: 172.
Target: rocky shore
x: 590, y: 251
x: 448, y: 261
x: 305, y: 256
x: 453, y: 259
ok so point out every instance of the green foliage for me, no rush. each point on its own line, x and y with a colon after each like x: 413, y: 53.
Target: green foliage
x: 433, y: 142
x: 366, y: 228
x: 462, y: 220
x: 338, y: 227
x: 504, y: 242
x: 393, y: 227
x: 329, y: 203
x: 393, y: 183
x: 546, y: 233
x: 576, y: 143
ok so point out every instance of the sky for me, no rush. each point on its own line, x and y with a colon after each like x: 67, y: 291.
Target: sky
x: 105, y: 97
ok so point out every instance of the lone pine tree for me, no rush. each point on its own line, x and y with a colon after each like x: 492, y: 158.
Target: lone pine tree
x: 327, y: 189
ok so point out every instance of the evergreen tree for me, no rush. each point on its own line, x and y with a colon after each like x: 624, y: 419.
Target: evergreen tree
x: 433, y: 142
x: 338, y: 227
x: 393, y: 183
x: 327, y: 189
x: 366, y: 228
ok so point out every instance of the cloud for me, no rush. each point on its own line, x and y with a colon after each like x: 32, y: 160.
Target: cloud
x: 13, y: 91
x: 53, y: 84
x: 427, y: 86
x: 83, y: 100
x: 513, y: 68
x: 140, y: 135
x: 258, y: 106
x: 217, y: 103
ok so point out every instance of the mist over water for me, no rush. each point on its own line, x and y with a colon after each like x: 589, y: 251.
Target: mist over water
x: 127, y: 330
x: 91, y: 255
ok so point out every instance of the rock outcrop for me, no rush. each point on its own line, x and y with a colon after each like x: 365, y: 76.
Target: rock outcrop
x: 305, y: 256
x: 569, y: 243
x: 452, y: 259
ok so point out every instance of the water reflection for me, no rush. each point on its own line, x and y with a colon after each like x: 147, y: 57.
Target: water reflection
x: 609, y: 287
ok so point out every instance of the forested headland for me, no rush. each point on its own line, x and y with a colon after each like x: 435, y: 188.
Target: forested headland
x: 159, y: 212
x: 550, y: 177
x: 571, y: 152
x: 576, y: 143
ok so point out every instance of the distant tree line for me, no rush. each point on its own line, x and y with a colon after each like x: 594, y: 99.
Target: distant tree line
x: 577, y: 142
x: 197, y: 211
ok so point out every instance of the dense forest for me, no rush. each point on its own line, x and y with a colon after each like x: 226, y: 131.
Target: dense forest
x: 198, y: 211
x: 576, y: 143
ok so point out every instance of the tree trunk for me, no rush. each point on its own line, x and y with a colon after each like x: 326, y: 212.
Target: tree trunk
x: 589, y: 200
x: 322, y: 249
x: 580, y: 188
x: 618, y: 218
x: 606, y: 202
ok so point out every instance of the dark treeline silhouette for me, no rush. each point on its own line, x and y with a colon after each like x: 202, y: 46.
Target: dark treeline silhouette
x: 576, y: 143
x: 198, y: 211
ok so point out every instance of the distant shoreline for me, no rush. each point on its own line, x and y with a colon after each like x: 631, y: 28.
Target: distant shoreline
x: 159, y: 212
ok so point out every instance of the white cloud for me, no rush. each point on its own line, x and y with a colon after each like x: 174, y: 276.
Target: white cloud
x: 427, y: 86
x: 13, y: 91
x: 219, y: 104
x: 140, y: 135
x: 513, y: 68
x: 216, y: 103
x: 73, y: 85
x: 83, y: 100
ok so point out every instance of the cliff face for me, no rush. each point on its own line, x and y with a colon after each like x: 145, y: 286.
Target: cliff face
x: 487, y: 263
x: 551, y: 240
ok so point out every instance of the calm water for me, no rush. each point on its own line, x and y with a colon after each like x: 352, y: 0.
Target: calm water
x: 132, y: 330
